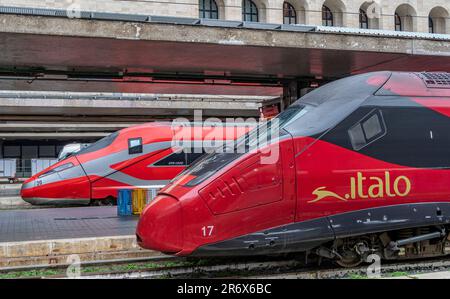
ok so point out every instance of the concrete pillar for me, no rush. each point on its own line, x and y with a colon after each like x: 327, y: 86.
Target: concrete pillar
x: 233, y: 10
x: 292, y: 92
x: 387, y: 22
x: 421, y: 20
x: 314, y: 13
x: 351, y: 18
x: 274, y: 11
x: 421, y: 24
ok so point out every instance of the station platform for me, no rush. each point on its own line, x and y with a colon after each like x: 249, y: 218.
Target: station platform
x: 51, y: 236
x: 64, y: 223
x: 8, y: 190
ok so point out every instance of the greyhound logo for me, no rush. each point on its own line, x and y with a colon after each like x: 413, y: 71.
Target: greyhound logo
x: 322, y: 193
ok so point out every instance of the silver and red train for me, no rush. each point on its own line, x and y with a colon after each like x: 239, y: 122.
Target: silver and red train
x: 363, y: 169
x: 139, y: 156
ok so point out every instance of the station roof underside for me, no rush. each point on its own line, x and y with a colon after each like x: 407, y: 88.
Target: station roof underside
x: 62, y: 44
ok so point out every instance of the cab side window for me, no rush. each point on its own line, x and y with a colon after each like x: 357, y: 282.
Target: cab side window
x: 135, y: 146
x: 368, y: 130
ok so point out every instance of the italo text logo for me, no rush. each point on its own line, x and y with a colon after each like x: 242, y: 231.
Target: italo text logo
x: 371, y: 187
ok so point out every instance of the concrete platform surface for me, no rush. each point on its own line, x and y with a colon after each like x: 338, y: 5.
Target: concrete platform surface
x: 64, y: 223
x: 431, y: 275
x: 16, y: 202
x: 8, y: 190
x: 61, y: 251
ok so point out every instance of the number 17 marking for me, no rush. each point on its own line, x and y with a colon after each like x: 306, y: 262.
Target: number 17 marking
x: 207, y: 230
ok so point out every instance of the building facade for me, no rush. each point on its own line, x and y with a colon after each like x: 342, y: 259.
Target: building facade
x: 40, y: 113
x: 401, y: 15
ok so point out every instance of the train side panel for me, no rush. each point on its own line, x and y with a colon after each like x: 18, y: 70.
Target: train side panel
x: 154, y: 169
x: 250, y: 195
x: 370, y: 175
x: 391, y: 151
x: 152, y: 161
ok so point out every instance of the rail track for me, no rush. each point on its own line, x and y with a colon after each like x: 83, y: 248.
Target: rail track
x: 292, y: 268
x: 208, y: 271
x: 250, y: 268
x: 391, y: 269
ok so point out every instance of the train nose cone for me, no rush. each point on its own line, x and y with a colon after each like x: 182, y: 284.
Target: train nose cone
x: 160, y: 226
x: 26, y: 191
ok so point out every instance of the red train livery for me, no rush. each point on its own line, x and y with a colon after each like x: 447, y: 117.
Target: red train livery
x: 363, y: 169
x: 138, y: 156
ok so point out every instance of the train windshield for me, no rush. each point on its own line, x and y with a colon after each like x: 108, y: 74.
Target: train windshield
x: 102, y: 143
x: 210, y: 163
x: 71, y: 149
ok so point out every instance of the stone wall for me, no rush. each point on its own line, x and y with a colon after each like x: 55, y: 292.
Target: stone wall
x: 413, y: 13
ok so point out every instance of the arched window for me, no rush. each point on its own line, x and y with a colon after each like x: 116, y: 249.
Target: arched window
x: 438, y: 20
x: 430, y: 25
x: 363, y: 20
x: 289, y: 14
x: 398, y: 23
x: 208, y: 9
x: 249, y: 11
x: 327, y: 16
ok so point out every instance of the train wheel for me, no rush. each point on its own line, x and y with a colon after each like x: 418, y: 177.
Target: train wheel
x: 349, y: 260
x: 110, y: 201
x: 351, y: 252
x: 107, y: 202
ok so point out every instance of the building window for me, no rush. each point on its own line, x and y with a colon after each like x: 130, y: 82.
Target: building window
x: 47, y: 151
x: 363, y: 20
x: 327, y: 16
x: 289, y: 14
x: 208, y: 9
x: 398, y: 23
x: 12, y: 151
x: 430, y: 25
x: 249, y: 11
x: 29, y: 151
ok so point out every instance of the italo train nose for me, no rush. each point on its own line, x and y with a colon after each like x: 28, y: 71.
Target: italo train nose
x: 160, y: 226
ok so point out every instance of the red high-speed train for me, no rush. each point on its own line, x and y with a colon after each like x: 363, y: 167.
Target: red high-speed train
x: 363, y: 168
x: 139, y: 156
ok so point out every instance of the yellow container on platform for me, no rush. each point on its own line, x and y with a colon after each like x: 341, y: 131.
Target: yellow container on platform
x: 138, y: 202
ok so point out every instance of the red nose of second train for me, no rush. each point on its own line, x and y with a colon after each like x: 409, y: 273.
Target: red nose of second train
x: 160, y: 226
x: 63, y: 183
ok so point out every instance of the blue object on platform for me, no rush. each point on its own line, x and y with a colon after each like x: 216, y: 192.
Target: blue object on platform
x: 124, y: 203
